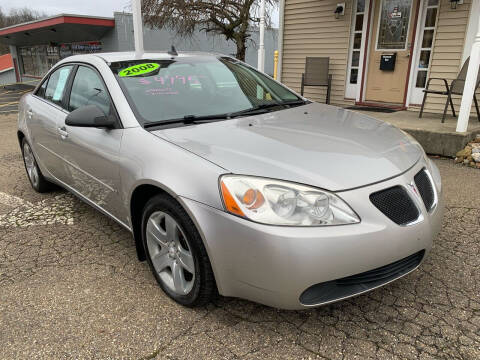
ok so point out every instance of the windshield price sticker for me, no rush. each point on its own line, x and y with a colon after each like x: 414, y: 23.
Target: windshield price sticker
x: 140, y: 69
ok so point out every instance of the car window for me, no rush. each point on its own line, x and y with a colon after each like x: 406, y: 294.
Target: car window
x: 88, y: 89
x: 41, y: 90
x: 56, y: 84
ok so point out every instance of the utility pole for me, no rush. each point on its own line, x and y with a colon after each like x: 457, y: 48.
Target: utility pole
x: 137, y: 28
x: 261, y: 47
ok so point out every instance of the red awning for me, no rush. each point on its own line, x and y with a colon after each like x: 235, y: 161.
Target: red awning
x: 57, y: 29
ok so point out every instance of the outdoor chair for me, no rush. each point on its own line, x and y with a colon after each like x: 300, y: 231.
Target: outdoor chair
x: 455, y: 88
x: 316, y: 74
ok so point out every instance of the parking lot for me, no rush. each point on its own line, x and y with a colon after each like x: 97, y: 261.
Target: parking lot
x: 72, y: 288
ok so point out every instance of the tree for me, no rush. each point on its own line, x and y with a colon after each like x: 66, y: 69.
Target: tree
x: 233, y: 19
x: 17, y: 16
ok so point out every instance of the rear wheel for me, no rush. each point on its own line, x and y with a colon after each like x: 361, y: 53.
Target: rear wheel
x: 38, y: 182
x: 175, y: 252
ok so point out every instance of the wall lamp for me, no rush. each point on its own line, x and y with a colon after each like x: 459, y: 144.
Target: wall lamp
x: 454, y: 3
x: 340, y: 10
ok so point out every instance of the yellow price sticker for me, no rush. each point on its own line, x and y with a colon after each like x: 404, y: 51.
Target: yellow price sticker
x: 140, y: 69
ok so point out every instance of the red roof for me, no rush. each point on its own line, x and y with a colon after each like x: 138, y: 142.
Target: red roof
x: 56, y: 20
x: 6, y: 62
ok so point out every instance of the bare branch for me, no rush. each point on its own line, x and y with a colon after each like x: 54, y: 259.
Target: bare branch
x: 230, y: 18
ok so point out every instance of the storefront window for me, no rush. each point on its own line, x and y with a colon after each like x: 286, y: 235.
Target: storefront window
x: 37, y: 60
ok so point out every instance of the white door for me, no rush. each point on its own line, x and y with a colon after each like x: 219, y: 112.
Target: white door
x: 356, y: 50
x: 423, y: 50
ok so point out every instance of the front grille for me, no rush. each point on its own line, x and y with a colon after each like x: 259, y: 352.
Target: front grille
x: 425, y: 188
x: 355, y: 284
x: 396, y: 204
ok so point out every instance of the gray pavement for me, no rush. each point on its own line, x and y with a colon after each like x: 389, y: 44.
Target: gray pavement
x: 72, y: 288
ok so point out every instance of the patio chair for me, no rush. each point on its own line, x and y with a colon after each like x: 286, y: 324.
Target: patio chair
x: 455, y: 88
x: 316, y: 74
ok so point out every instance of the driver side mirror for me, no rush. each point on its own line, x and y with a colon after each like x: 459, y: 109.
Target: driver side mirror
x: 90, y: 116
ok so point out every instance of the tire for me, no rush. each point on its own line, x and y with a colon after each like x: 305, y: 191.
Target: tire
x: 34, y: 174
x: 175, y: 252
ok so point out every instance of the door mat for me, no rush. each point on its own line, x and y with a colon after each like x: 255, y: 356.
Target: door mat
x: 371, y: 108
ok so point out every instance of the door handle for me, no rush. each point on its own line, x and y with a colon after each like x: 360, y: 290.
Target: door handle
x: 29, y: 113
x: 63, y: 132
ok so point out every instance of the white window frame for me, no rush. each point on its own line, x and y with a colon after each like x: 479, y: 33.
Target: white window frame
x: 412, y: 9
x: 352, y: 91
x: 416, y: 94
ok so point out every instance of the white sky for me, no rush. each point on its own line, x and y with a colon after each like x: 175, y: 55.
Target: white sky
x: 80, y: 7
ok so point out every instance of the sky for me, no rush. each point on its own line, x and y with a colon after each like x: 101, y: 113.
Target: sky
x: 80, y: 7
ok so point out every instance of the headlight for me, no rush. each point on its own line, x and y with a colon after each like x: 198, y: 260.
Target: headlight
x: 278, y: 202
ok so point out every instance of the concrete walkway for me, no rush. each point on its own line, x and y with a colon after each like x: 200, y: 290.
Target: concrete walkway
x: 435, y: 137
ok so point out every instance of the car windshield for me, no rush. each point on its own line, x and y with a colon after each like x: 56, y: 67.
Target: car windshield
x: 182, y: 87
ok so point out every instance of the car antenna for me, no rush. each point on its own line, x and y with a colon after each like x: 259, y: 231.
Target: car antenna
x: 173, y: 51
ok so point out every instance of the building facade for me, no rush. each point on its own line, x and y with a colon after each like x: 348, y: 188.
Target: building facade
x: 426, y: 39
x: 36, y: 46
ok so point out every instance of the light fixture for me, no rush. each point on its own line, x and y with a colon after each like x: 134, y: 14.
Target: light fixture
x: 339, y: 10
x: 454, y: 3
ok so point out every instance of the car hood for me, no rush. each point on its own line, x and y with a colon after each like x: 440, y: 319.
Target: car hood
x: 320, y: 145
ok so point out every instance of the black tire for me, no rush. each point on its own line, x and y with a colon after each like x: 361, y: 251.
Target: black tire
x: 204, y: 287
x: 41, y: 184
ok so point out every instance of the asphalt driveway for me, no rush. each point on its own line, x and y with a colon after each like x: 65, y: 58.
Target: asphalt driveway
x: 9, y: 96
x: 72, y: 288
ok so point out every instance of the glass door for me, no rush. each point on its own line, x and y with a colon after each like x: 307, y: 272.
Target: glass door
x: 356, y: 50
x: 423, y: 52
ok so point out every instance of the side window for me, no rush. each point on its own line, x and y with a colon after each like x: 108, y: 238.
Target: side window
x: 56, y: 84
x: 41, y: 90
x: 88, y: 89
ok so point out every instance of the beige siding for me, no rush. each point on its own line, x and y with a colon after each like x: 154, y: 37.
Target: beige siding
x: 447, y: 51
x: 310, y: 29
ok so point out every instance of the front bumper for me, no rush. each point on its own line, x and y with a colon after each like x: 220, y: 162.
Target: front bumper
x: 274, y: 265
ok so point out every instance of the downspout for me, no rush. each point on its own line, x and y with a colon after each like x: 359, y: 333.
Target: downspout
x: 280, y: 40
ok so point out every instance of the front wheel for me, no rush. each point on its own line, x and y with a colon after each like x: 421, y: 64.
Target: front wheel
x: 175, y: 252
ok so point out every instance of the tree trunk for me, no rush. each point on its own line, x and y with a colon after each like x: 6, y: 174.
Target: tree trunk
x: 241, y: 49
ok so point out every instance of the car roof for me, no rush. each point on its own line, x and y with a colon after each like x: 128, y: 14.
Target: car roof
x: 110, y: 57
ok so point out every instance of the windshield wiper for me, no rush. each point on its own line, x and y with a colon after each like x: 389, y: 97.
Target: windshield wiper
x: 187, y: 119
x: 258, y: 109
x: 294, y: 102
x: 195, y: 119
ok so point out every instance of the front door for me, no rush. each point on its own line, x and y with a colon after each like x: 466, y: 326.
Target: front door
x: 392, y: 37
x: 91, y: 155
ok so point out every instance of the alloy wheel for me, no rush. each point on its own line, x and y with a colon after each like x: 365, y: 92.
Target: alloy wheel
x: 170, y: 253
x: 31, y: 165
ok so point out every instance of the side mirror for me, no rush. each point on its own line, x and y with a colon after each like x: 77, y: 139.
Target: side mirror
x: 90, y: 116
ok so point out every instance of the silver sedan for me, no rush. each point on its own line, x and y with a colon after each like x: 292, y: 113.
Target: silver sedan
x: 230, y: 182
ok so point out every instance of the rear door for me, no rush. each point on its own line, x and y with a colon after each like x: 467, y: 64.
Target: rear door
x: 91, y: 154
x: 45, y: 111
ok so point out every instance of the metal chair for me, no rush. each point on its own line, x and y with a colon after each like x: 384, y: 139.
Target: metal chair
x: 316, y: 74
x: 455, y: 88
